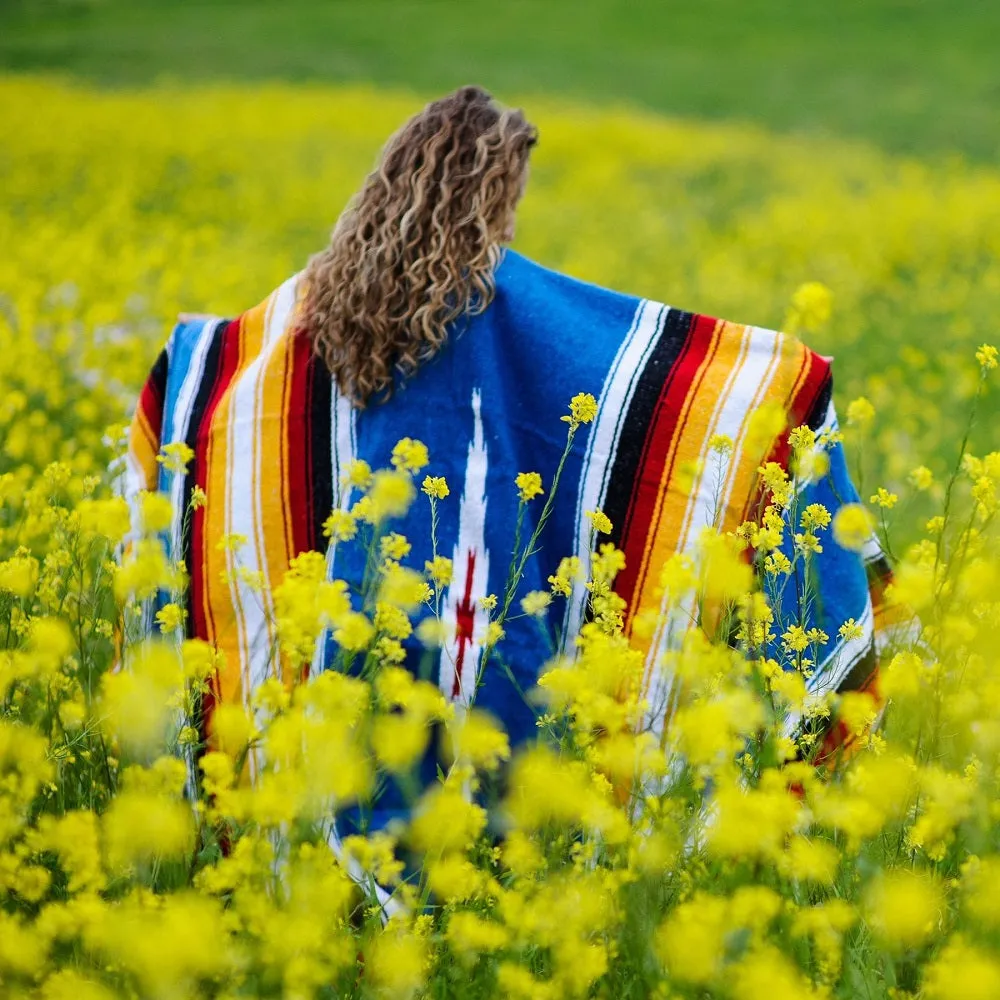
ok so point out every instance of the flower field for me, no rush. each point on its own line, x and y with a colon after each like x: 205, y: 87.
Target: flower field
x: 728, y: 863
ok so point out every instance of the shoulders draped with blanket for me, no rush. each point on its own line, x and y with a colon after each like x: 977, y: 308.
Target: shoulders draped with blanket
x: 272, y: 439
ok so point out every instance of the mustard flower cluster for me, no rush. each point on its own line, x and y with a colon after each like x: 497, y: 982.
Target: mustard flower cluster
x: 721, y: 855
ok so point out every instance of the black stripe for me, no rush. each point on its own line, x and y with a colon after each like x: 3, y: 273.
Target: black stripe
x: 860, y: 672
x: 639, y: 417
x: 209, y: 376
x: 158, y: 378
x: 817, y: 412
x: 321, y: 472
x: 879, y: 571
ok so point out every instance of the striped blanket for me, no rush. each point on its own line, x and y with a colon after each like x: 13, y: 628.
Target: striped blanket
x: 272, y: 437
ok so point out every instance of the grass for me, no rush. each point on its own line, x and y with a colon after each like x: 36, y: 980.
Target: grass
x: 912, y: 76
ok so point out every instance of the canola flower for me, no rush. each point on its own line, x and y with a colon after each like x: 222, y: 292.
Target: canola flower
x: 137, y: 860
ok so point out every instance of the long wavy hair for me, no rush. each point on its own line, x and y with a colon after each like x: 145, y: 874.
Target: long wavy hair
x: 417, y: 247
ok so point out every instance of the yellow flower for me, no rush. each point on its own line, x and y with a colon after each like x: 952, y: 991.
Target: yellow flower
x: 394, y: 962
x: 883, y: 498
x: 808, y: 860
x: 231, y: 542
x: 600, y: 521
x: 410, y: 455
x: 392, y: 620
x: 359, y: 473
x: 815, y: 516
x: 18, y: 575
x: 582, y: 409
x: 390, y: 495
x: 921, y: 478
x: 903, y: 908
x: 198, y: 498
x: 109, y: 518
x: 439, y: 570
x: 722, y: 443
x: 478, y: 739
x: 394, y: 546
x: 232, y: 729
x: 536, y: 602
x: 403, y: 587
x: 399, y: 740
x: 567, y: 573
x: 987, y: 357
x: 444, y: 820
x: 157, y: 512
x: 375, y: 854
x: 812, y: 303
x: 354, y: 632
x: 435, y: 486
x: 962, y: 971
x: 852, y: 527
x: 340, y: 526
x: 142, y: 826
x: 860, y: 413
x: 850, y: 630
x: 766, y: 423
x: 529, y: 485
x: 691, y: 942
x: 454, y: 878
x: 171, y: 617
x: 433, y: 632
x: 469, y: 934
x: 175, y: 457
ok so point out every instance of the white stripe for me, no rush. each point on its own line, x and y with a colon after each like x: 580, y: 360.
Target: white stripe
x: 181, y: 421
x: 739, y: 438
x: 471, y: 540
x: 838, y: 664
x: 243, y: 501
x: 605, y: 434
x: 343, y: 451
x: 871, y: 550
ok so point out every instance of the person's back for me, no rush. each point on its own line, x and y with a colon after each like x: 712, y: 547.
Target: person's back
x: 479, y: 353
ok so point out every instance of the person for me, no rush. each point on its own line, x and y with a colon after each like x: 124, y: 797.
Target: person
x: 418, y: 322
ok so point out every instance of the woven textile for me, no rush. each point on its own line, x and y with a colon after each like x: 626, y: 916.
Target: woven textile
x: 272, y: 439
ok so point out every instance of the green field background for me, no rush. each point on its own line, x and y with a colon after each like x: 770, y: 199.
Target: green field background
x: 914, y: 76
x: 713, y: 155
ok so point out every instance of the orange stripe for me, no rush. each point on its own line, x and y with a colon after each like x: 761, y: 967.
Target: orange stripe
x: 275, y: 504
x: 221, y: 612
x: 144, y: 443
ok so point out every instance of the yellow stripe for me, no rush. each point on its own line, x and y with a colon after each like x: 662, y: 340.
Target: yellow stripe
x: 144, y: 445
x: 274, y: 504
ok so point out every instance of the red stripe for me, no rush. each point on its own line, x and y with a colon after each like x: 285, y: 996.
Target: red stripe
x: 299, y: 446
x: 151, y: 403
x: 230, y: 356
x: 798, y: 409
x: 664, y: 426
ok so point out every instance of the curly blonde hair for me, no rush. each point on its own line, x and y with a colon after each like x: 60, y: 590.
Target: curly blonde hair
x: 417, y: 247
